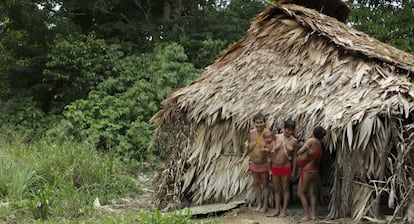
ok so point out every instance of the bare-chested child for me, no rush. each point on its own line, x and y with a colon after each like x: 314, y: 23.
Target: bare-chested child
x: 281, y: 157
x: 308, y: 156
x: 260, y: 143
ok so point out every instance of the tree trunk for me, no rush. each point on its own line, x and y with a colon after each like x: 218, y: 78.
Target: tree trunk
x: 166, y: 14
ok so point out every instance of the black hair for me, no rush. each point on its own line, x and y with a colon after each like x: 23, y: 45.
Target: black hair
x: 289, y: 124
x: 259, y: 116
x: 319, y: 132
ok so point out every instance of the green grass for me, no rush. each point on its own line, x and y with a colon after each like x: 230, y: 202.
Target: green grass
x: 46, y: 182
x: 128, y: 217
x: 43, y: 180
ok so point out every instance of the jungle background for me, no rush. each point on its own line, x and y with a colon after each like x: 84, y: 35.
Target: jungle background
x: 80, y: 80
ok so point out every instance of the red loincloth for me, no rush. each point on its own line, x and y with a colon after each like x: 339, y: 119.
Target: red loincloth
x: 258, y: 168
x: 281, y: 171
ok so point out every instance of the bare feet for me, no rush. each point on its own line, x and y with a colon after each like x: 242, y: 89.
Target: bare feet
x: 305, y: 218
x: 312, y: 215
x: 282, y: 214
x: 259, y: 207
x: 264, y: 209
x: 274, y: 214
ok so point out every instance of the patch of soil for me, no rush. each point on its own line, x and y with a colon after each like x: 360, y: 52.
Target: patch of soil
x: 240, y: 215
x: 249, y: 216
x: 144, y: 201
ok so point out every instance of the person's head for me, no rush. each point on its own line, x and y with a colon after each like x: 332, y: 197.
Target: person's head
x: 289, y: 127
x: 259, y: 121
x: 268, y: 137
x: 319, y: 132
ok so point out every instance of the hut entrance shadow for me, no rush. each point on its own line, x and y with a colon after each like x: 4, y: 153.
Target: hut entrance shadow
x: 324, y: 184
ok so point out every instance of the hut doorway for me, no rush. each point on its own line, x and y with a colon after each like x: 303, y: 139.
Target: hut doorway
x: 324, y: 184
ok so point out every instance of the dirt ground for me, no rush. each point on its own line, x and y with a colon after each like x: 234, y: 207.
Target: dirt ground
x: 246, y: 215
x: 239, y: 215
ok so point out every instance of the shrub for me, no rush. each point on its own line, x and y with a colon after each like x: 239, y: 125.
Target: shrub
x: 116, y: 113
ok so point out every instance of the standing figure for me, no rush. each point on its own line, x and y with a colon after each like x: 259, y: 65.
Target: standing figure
x: 281, y: 158
x: 308, y: 156
x: 260, y: 143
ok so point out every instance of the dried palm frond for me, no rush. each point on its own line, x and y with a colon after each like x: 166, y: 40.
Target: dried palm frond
x: 360, y: 200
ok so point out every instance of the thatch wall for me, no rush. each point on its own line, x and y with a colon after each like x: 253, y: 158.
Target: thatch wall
x: 297, y: 63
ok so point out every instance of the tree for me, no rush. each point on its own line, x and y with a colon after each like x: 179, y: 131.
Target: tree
x: 75, y: 65
x: 391, y: 22
x: 116, y: 113
x: 26, y: 29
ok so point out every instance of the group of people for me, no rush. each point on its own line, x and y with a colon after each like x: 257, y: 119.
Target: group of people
x: 278, y: 156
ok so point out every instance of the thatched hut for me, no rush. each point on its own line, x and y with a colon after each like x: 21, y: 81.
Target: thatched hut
x: 295, y: 62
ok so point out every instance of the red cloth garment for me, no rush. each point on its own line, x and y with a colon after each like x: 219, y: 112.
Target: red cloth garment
x: 258, y: 168
x: 281, y: 171
x: 309, y: 158
x: 306, y: 170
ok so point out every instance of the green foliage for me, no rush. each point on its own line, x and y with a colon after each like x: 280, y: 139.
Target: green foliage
x: 211, y: 27
x: 22, y: 118
x: 128, y: 218
x: 76, y: 65
x: 221, y: 20
x: 391, y: 22
x: 41, y: 202
x: 21, y: 112
x: 15, y: 175
x: 25, y: 31
x: 116, y: 115
x: 6, y: 211
x: 160, y: 218
x: 44, y: 179
x: 102, y: 55
x: 203, y: 52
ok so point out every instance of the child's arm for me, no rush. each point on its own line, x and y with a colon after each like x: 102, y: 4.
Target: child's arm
x: 304, y: 148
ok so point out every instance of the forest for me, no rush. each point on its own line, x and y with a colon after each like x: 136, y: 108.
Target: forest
x: 80, y: 81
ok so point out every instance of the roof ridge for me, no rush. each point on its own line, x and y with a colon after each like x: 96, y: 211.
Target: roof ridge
x: 340, y: 34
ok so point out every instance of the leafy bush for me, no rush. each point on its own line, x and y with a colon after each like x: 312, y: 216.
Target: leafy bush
x: 77, y: 64
x: 21, y: 118
x: 116, y: 114
x: 21, y: 112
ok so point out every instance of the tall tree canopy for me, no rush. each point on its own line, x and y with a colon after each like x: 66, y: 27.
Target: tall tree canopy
x: 389, y: 21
